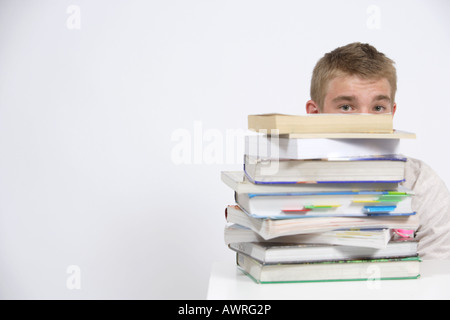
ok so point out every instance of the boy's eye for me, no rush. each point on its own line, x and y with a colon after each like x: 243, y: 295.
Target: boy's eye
x: 379, y: 108
x: 345, y: 107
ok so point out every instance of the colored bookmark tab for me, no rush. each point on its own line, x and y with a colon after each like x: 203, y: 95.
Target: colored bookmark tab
x: 295, y: 210
x: 379, y: 209
x: 391, y: 198
x: 330, y: 206
x: 366, y: 201
x: 404, y: 233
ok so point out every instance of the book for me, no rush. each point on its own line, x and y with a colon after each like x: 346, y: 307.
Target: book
x: 274, y: 147
x: 238, y: 182
x: 275, y: 253
x: 332, y: 170
x: 396, y: 134
x: 368, y: 238
x: 272, y: 228
x: 321, y: 123
x: 327, y: 203
x: 344, y: 270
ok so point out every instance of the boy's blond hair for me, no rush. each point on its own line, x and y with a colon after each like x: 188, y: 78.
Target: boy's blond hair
x: 356, y: 58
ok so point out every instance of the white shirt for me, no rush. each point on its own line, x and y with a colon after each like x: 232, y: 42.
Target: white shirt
x: 431, y: 201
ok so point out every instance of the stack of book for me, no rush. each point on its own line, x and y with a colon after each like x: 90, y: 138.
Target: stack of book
x: 320, y: 199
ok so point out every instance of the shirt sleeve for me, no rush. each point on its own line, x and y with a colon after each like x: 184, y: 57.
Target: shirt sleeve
x: 431, y: 201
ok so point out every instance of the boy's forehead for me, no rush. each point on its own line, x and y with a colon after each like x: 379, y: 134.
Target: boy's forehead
x: 353, y: 85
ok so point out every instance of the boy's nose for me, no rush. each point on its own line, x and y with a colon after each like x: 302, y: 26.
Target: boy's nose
x: 364, y: 109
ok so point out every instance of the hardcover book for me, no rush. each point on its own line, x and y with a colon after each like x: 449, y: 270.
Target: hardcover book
x: 332, y: 170
x: 276, y: 253
x: 368, y: 238
x: 276, y: 147
x: 326, y: 203
x: 321, y: 123
x: 272, y: 228
x: 351, y: 270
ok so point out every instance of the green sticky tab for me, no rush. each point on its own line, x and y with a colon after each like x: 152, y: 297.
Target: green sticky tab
x: 321, y: 206
x: 392, y: 198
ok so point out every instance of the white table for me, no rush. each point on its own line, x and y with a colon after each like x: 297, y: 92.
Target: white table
x: 228, y: 283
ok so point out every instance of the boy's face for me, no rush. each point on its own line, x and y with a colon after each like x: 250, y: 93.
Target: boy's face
x: 352, y: 94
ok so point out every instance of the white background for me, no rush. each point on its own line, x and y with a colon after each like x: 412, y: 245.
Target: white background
x: 91, y: 102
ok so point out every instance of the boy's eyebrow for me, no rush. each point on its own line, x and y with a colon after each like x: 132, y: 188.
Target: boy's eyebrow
x: 382, y: 97
x: 353, y: 98
x: 344, y: 98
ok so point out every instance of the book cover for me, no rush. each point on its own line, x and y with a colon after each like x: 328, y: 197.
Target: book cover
x: 321, y: 123
x: 380, y: 169
x: 280, y: 253
x: 272, y: 228
x: 326, y: 203
x: 345, y: 270
x: 368, y: 238
x: 238, y: 182
x: 275, y: 147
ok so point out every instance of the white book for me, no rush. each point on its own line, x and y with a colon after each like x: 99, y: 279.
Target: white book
x: 362, y: 270
x: 275, y: 147
x: 271, y: 252
x: 318, y: 199
x: 238, y: 182
x: 335, y: 203
x: 272, y: 228
x: 331, y: 170
x: 367, y: 238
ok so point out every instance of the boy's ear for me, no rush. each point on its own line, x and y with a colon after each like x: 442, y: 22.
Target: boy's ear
x: 394, y: 108
x: 312, y: 107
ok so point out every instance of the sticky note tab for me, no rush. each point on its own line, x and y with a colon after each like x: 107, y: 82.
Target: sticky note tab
x: 295, y: 210
x: 391, y: 198
x: 378, y: 209
x: 397, y: 193
x: 328, y: 206
x: 366, y: 201
x: 404, y: 233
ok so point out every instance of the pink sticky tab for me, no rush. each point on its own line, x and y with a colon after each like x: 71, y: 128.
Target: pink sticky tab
x: 404, y: 233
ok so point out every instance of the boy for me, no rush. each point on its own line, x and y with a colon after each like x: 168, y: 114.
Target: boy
x: 357, y: 78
